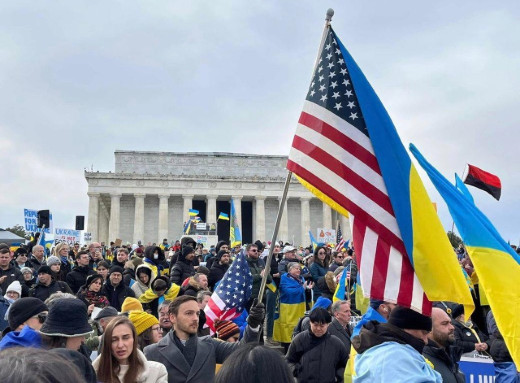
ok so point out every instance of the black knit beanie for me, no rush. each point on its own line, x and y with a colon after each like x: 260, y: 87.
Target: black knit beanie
x: 405, y: 318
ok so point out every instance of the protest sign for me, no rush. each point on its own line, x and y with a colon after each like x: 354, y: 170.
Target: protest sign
x: 67, y: 235
x: 326, y: 235
x: 31, y: 221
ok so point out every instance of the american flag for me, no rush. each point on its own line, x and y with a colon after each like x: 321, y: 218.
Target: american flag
x: 340, y: 242
x: 232, y: 294
x: 332, y: 151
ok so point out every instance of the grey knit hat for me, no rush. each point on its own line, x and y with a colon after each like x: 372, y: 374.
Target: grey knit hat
x: 52, y: 260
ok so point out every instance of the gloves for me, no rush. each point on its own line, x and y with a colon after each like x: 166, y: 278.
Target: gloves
x: 256, y: 314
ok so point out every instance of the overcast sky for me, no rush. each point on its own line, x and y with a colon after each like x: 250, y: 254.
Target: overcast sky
x: 81, y: 79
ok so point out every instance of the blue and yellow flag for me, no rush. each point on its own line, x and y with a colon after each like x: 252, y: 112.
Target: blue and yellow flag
x: 339, y: 294
x: 313, y: 241
x: 193, y: 212
x: 223, y: 216
x: 290, y: 308
x: 463, y: 188
x: 187, y: 227
x: 495, y: 262
x: 235, y: 238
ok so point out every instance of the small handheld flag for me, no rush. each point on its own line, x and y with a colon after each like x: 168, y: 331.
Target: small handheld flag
x: 193, y: 212
x: 223, y: 216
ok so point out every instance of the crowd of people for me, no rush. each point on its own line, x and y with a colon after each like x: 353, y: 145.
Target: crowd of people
x: 136, y: 314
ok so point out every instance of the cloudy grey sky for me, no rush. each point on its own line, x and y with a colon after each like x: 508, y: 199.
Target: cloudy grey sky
x: 80, y: 79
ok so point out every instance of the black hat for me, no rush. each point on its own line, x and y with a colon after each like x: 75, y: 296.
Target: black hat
x: 108, y: 311
x: 68, y: 318
x: 457, y: 311
x: 221, y: 253
x: 405, y: 318
x: 92, y: 278
x: 45, y: 270
x: 20, y: 251
x: 203, y: 270
x: 23, y: 309
x: 116, y: 269
x: 259, y: 245
x: 186, y: 250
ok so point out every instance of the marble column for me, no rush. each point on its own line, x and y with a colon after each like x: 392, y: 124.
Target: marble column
x: 163, y: 217
x: 345, y: 227
x: 211, y: 209
x: 115, y: 217
x: 139, y: 218
x: 260, y: 218
x: 283, y: 232
x: 103, y: 222
x: 237, y: 201
x: 305, y: 220
x: 93, y: 215
x: 188, y: 203
x: 327, y: 217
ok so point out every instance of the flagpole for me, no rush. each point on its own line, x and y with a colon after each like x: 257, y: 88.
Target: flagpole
x: 267, y: 269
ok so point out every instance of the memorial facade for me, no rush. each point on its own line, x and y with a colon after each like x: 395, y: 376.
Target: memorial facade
x: 149, y: 194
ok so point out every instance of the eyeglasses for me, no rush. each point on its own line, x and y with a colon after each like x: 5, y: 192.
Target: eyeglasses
x: 340, y: 256
x: 253, y: 250
x: 41, y: 317
x: 158, y: 329
x: 321, y: 252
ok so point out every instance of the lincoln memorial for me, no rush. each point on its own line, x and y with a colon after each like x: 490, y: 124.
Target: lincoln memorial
x: 148, y: 196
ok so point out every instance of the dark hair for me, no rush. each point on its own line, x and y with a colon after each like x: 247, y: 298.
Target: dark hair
x: 249, y: 246
x: 254, y: 363
x: 320, y: 315
x: 50, y: 342
x: 26, y: 364
x: 104, y: 264
x: 123, y: 249
x: 159, y: 284
x: 145, y: 339
x: 326, y: 261
x: 177, y: 302
x: 108, y: 368
x: 80, y: 253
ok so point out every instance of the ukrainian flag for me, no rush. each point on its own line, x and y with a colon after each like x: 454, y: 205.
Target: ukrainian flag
x: 290, y: 308
x: 495, y: 262
x: 235, y: 238
x: 272, y: 286
x: 193, y: 212
x: 339, y: 294
x: 313, y: 241
x: 425, y: 240
x: 223, y: 216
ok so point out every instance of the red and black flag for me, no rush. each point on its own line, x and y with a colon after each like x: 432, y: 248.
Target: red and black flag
x: 483, y: 180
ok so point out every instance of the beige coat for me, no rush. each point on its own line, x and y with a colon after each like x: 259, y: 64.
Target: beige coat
x: 154, y: 372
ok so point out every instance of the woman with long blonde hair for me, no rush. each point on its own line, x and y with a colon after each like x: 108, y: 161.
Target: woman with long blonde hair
x: 121, y: 361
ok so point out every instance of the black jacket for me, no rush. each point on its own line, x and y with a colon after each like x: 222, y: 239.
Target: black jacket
x: 78, y: 276
x: 181, y: 270
x: 36, y: 264
x: 216, y: 273
x: 116, y: 296
x: 315, y: 359
x: 343, y: 334
x: 43, y: 292
x: 13, y: 274
x: 442, y: 363
x: 498, y: 349
x: 465, y: 339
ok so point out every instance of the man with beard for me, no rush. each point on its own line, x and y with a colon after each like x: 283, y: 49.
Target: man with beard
x: 438, y: 350
x: 47, y: 286
x: 219, y: 268
x: 189, y: 358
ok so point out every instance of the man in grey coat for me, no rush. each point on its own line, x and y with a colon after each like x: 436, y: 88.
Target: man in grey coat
x: 189, y: 358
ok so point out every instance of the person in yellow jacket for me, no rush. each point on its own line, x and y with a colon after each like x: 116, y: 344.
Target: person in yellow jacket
x: 160, y: 290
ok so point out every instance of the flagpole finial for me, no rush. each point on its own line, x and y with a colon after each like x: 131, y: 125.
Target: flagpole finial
x: 330, y: 13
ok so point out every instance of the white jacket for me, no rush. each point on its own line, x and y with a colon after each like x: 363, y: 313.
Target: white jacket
x: 154, y: 372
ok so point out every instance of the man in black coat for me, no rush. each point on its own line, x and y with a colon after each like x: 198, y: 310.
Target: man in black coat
x: 78, y: 276
x: 219, y: 268
x: 316, y: 356
x: 114, y: 288
x: 47, y: 286
x: 439, y: 348
x: 340, y: 322
x: 8, y: 272
x: 183, y: 268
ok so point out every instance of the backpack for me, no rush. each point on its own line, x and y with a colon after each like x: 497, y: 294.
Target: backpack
x: 298, y: 328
